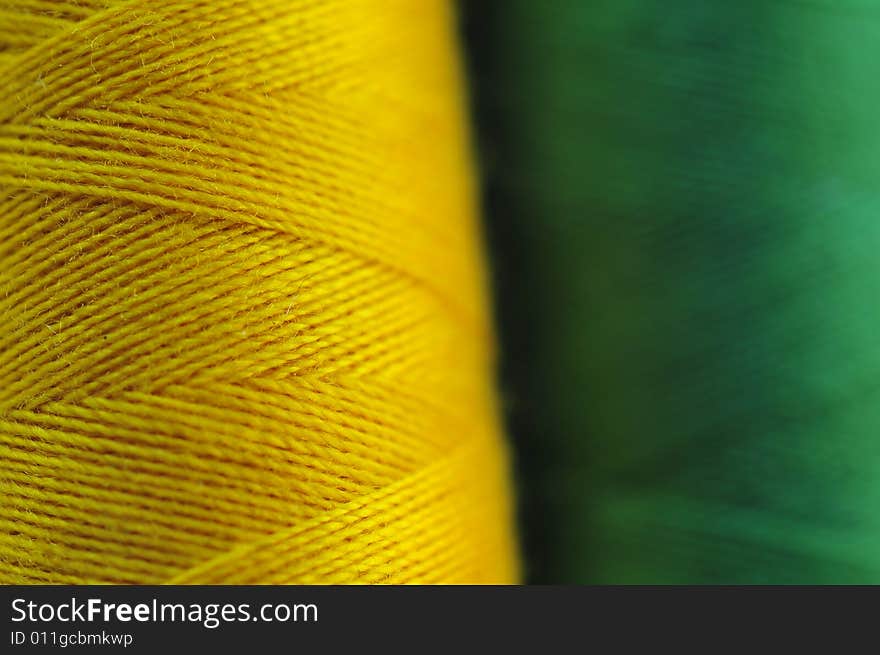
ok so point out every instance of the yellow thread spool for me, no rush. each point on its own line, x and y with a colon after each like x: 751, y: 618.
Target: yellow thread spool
x: 244, y: 334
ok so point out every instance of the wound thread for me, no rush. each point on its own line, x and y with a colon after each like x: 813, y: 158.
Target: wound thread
x: 244, y: 330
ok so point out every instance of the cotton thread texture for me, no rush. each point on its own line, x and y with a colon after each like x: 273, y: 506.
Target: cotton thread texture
x: 244, y: 328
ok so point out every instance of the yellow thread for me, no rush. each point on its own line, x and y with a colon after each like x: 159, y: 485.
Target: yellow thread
x: 244, y: 330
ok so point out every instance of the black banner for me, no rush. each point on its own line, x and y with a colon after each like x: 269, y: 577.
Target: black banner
x: 414, y: 619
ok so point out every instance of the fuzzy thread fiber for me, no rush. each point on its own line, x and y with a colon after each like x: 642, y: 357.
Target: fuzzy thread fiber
x: 243, y: 324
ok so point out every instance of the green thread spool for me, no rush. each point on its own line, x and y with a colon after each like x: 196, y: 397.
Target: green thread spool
x: 684, y: 202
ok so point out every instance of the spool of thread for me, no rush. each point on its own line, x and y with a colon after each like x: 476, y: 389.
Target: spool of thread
x: 244, y: 335
x: 683, y: 200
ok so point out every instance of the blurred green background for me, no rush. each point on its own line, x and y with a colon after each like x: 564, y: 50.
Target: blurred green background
x: 683, y: 210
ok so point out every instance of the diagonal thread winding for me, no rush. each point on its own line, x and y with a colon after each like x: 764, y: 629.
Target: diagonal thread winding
x: 243, y: 327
